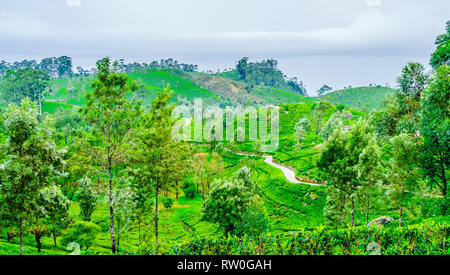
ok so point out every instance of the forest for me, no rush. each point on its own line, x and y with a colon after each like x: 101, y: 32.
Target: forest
x: 89, y: 164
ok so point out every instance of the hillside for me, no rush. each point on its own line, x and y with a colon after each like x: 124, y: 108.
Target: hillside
x: 70, y: 93
x: 362, y: 98
x: 242, y: 93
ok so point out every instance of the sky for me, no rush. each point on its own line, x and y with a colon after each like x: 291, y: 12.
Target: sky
x: 333, y: 42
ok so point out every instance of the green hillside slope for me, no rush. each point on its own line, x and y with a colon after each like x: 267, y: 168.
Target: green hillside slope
x: 70, y: 92
x: 362, y: 98
x: 242, y: 93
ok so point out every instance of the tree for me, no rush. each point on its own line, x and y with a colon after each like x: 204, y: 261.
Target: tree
x: 56, y: 210
x: 318, y: 114
x: 112, y: 118
x: 141, y: 196
x: 205, y: 166
x: 413, y: 80
x: 64, y: 66
x: 87, y: 196
x: 442, y: 54
x: 189, y: 189
x: 48, y: 65
x: 339, y: 160
x: 67, y: 122
x: 300, y: 135
x: 125, y: 206
x: 305, y: 123
x: 32, y: 163
x: 332, y: 162
x: 370, y: 173
x: 242, y: 68
x: 229, y: 200
x: 335, y: 121
x: 403, y: 167
x: 38, y: 229
x: 167, y: 202
x: 435, y: 130
x: 157, y: 149
x: 25, y: 83
x: 324, y: 89
x: 182, y: 165
x: 253, y: 223
x: 403, y: 113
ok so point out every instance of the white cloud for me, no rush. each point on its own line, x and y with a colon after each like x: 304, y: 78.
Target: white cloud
x: 374, y: 3
x: 73, y: 3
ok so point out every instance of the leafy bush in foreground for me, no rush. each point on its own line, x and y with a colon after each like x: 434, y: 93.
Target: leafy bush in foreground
x: 430, y: 238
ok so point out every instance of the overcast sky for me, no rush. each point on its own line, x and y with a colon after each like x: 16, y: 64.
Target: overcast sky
x: 334, y: 42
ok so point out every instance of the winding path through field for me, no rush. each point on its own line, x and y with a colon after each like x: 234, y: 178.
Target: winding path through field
x: 289, y: 173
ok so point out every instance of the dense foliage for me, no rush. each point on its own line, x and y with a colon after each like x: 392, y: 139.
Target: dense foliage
x: 426, y: 239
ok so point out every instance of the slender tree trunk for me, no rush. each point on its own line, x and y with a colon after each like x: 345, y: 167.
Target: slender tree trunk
x: 111, y: 208
x: 38, y: 237
x: 54, y: 238
x: 176, y: 189
x: 21, y: 236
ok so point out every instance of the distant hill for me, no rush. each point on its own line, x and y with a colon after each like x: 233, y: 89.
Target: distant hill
x: 70, y: 92
x: 238, y: 92
x: 362, y: 98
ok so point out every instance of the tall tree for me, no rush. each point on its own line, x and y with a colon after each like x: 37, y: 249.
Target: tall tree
x: 229, y: 200
x: 442, y: 54
x: 112, y: 118
x: 335, y: 121
x: 55, y: 208
x: 32, y: 163
x: 158, y: 149
x: 87, y: 196
x: 435, y: 130
x: 403, y: 168
x: 403, y: 113
x: 64, y: 66
x: 339, y: 159
x: 370, y: 173
x: 318, y: 114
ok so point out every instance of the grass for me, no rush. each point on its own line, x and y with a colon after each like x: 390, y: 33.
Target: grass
x: 289, y: 205
x: 51, y: 107
x: 155, y: 81
x: 277, y: 96
x: 362, y: 98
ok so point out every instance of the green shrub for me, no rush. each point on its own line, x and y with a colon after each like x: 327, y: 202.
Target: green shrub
x: 429, y: 238
x: 167, y: 202
x: 189, y: 189
x: 254, y: 223
x: 84, y: 234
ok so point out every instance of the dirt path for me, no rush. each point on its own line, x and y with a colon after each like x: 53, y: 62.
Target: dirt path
x: 289, y: 173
